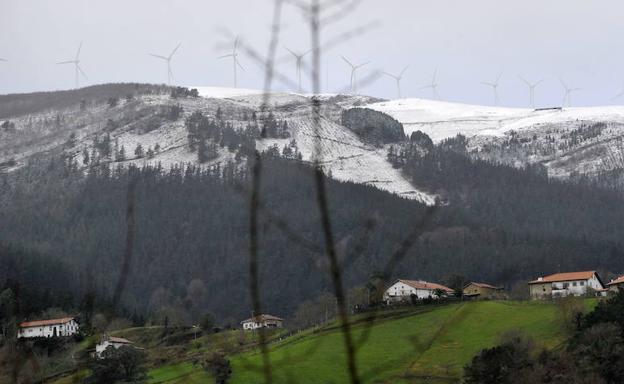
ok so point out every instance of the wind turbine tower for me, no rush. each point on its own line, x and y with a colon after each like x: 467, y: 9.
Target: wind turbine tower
x: 76, y: 62
x: 398, y: 79
x: 531, y: 90
x: 494, y: 85
x: 168, y: 60
x: 433, y: 85
x: 299, y: 61
x: 235, y: 62
x: 567, y: 100
x: 354, y: 69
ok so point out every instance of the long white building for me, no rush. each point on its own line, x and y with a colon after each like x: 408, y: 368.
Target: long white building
x: 65, y: 326
x: 262, y: 321
x: 404, y: 289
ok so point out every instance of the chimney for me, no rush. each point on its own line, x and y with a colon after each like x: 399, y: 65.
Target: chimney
x: 540, y: 278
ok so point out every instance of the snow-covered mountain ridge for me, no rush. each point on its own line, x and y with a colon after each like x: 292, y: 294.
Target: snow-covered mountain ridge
x: 141, y: 121
x: 567, y: 141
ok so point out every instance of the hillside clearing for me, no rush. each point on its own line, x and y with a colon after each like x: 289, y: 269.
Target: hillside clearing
x: 434, y: 343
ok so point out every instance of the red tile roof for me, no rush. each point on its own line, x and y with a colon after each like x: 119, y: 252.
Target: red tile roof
x: 619, y: 280
x: 39, y: 323
x: 484, y: 285
x: 262, y: 318
x: 566, y: 276
x: 419, y: 284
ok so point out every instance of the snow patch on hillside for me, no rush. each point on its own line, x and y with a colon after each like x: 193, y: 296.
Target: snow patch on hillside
x: 441, y: 120
x: 347, y: 158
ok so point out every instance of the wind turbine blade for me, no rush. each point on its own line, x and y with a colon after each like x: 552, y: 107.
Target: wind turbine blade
x: 174, y: 51
x: 158, y: 56
x: 78, y: 51
x: 306, y: 52
x: 292, y: 52
x: 363, y: 64
x: 390, y: 75
x: 525, y: 81
x: 403, y: 71
x: 236, y: 43
x: 347, y: 61
x: 618, y: 95
x: 435, y: 74
x: 224, y: 56
x: 498, y: 78
x: 538, y: 83
x: 488, y: 84
x: 563, y: 84
x: 81, y: 71
x: 1, y: 59
x: 426, y: 86
x: 67, y: 62
x: 240, y: 66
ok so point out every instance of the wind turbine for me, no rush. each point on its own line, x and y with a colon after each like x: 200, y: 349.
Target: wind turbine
x: 433, y: 85
x: 1, y: 59
x: 398, y: 79
x: 235, y: 62
x: 354, y: 69
x: 567, y: 92
x: 494, y: 85
x: 531, y: 90
x: 77, y: 68
x: 299, y: 62
x: 168, y: 60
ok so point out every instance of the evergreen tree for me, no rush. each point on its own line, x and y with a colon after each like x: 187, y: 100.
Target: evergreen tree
x: 138, y: 151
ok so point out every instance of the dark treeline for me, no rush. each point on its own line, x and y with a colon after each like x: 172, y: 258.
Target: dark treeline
x: 28, y: 103
x: 499, y: 224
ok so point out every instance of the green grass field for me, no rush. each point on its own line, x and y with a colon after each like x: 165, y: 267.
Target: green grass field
x: 434, y: 342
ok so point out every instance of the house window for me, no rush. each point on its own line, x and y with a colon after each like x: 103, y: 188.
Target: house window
x: 574, y: 284
x: 582, y: 283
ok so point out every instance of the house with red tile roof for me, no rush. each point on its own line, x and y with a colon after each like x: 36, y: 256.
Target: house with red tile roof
x: 615, y: 284
x: 483, y: 291
x: 65, y: 326
x: 403, y: 289
x: 567, y: 284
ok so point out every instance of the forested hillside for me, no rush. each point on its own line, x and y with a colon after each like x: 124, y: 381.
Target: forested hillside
x: 497, y: 224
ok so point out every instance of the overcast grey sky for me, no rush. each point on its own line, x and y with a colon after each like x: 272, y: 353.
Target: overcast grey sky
x: 468, y: 40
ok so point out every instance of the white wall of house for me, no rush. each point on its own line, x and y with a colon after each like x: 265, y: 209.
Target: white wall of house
x: 263, y: 324
x: 575, y: 287
x: 51, y: 330
x: 399, y: 291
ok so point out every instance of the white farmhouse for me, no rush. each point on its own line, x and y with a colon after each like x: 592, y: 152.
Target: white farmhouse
x: 65, y: 326
x: 111, y: 341
x: 262, y: 321
x: 567, y: 284
x: 404, y: 289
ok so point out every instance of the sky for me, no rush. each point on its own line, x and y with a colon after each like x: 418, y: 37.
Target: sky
x: 468, y: 41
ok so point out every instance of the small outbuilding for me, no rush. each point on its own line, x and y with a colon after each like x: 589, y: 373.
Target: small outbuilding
x: 111, y: 341
x: 616, y: 284
x: 483, y: 291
